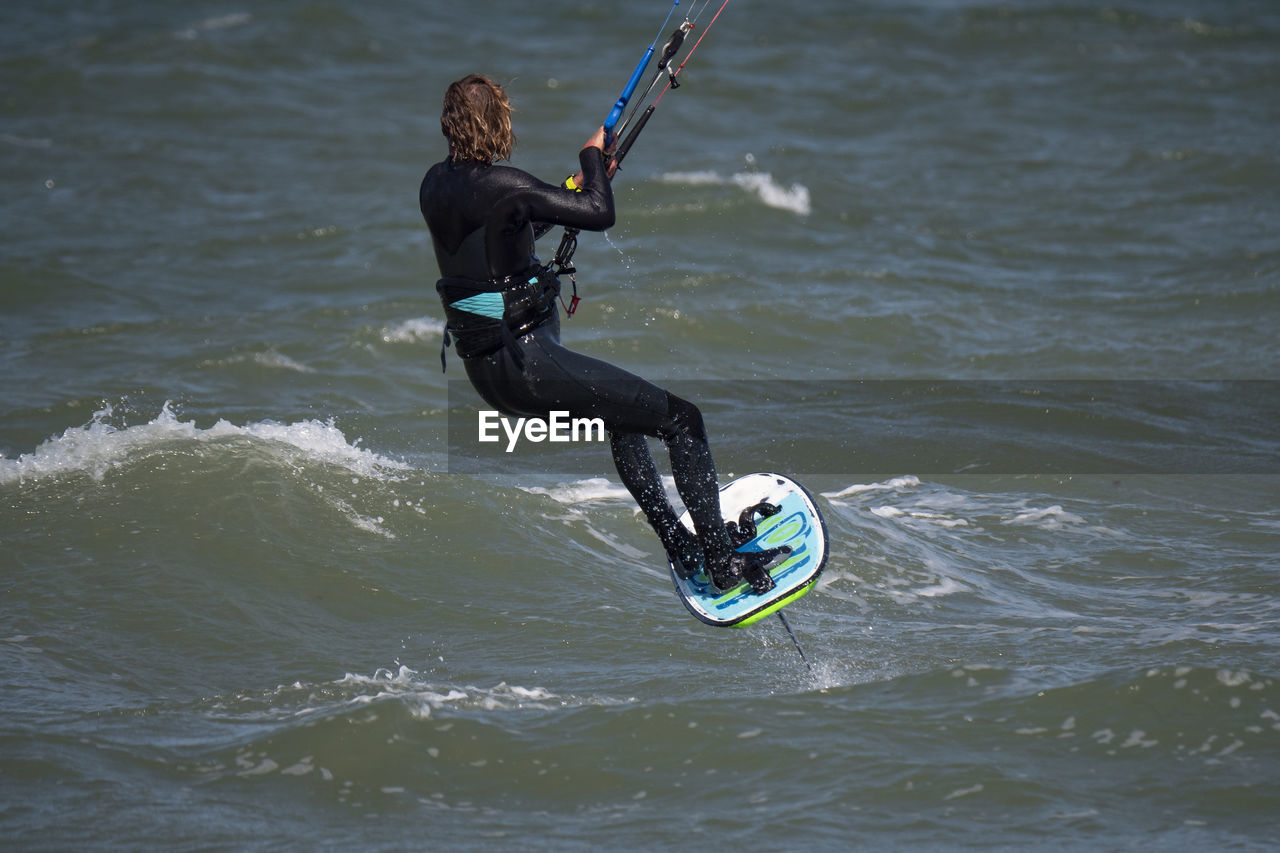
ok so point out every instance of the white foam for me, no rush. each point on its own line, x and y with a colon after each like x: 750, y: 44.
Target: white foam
x: 217, y: 22
x: 693, y: 178
x: 907, y: 482
x: 964, y: 792
x: 1050, y: 518
x: 99, y: 447
x: 582, y: 491
x: 794, y: 198
x: 422, y: 698
x: 412, y: 331
x: 25, y: 141
x: 923, y: 516
x: 945, y: 586
x: 277, y: 360
x: 269, y: 358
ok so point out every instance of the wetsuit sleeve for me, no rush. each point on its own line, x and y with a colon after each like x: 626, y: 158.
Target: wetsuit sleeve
x: 590, y: 208
x: 596, y: 188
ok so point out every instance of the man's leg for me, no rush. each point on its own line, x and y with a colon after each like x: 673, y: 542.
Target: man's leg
x: 640, y: 475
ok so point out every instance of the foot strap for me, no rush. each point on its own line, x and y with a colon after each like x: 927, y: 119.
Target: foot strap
x: 755, y: 567
x: 745, y: 529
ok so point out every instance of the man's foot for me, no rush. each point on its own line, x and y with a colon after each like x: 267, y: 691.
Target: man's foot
x: 750, y: 567
x: 684, y: 552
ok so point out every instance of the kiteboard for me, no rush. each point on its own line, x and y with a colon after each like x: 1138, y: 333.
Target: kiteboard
x: 784, y: 514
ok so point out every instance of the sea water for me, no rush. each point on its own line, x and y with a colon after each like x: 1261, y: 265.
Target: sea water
x: 1000, y: 282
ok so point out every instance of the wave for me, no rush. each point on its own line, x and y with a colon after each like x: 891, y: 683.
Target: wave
x: 909, y: 481
x: 420, y: 696
x: 98, y: 447
x: 412, y: 331
x: 591, y: 490
x: 794, y: 198
x: 907, y: 499
x: 213, y: 24
x: 1199, y: 714
x: 269, y: 359
x: 317, y: 729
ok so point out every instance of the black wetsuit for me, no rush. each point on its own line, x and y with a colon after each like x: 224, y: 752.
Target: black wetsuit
x: 484, y: 219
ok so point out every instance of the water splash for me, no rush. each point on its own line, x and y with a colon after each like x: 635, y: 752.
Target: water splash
x: 98, y: 447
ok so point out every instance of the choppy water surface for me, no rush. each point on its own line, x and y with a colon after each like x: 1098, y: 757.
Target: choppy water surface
x: 1000, y: 282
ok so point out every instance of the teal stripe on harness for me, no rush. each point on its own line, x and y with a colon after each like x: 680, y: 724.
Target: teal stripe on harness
x: 484, y: 304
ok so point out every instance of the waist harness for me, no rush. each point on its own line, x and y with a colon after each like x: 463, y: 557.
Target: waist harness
x: 484, y: 316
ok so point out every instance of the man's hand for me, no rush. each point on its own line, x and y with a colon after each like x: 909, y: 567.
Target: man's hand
x: 597, y: 141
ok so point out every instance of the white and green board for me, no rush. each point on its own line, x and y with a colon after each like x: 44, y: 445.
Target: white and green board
x: 799, y: 526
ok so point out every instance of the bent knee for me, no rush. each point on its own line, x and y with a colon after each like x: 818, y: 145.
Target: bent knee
x: 684, y: 418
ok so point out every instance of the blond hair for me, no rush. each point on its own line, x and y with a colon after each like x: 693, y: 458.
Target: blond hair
x: 476, y: 120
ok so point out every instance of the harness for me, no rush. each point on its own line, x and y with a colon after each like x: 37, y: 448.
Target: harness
x: 484, y: 316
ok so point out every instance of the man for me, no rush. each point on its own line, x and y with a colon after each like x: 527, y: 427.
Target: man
x: 500, y: 308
